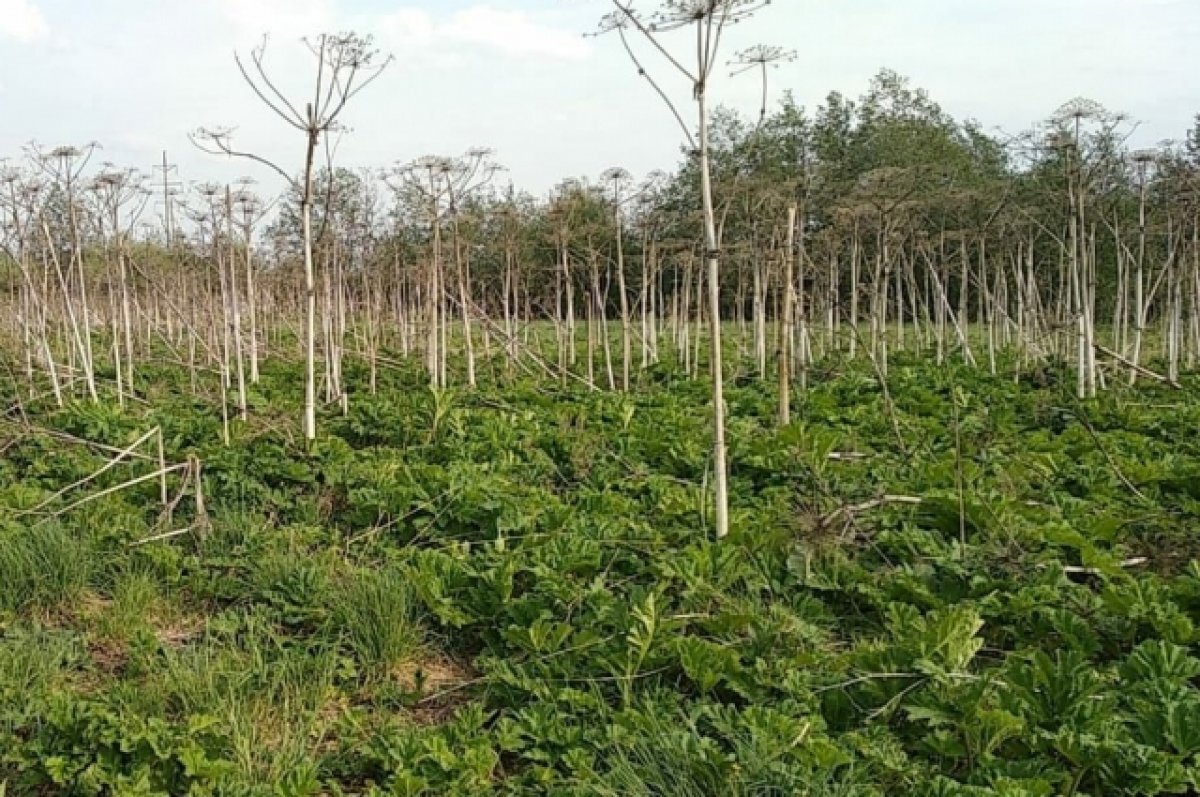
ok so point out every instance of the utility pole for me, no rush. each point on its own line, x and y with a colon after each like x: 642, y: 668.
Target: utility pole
x: 170, y: 187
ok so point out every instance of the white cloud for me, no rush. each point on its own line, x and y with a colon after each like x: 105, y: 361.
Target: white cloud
x: 513, y: 33
x: 407, y: 27
x: 251, y: 19
x: 22, y: 20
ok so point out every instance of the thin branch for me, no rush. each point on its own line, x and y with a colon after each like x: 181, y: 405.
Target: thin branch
x: 658, y: 89
x: 637, y: 23
x: 222, y: 148
x: 266, y: 100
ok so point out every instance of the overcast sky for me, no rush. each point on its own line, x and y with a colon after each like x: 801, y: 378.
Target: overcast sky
x: 519, y: 77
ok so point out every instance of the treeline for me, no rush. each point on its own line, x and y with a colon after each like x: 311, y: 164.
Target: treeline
x: 1062, y: 239
x: 858, y: 227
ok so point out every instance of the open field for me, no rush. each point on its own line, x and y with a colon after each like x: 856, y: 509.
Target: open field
x: 855, y: 454
x: 960, y: 586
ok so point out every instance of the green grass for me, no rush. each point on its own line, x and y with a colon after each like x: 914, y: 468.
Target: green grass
x: 375, y: 612
x: 44, y: 566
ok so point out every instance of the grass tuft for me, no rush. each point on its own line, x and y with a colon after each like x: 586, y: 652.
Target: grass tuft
x: 44, y: 567
x: 375, y: 612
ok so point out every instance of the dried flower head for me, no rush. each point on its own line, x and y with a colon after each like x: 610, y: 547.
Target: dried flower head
x: 761, y: 56
x: 343, y: 50
x: 615, y: 20
x: 246, y: 200
x: 674, y: 14
x: 616, y: 175
x: 433, y: 164
x: 1079, y: 109
x: 216, y: 135
x: 64, y: 152
x: 110, y: 178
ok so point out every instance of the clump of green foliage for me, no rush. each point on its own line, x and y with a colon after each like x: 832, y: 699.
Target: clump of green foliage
x: 516, y: 593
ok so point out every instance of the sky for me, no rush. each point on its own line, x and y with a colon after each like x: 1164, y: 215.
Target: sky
x: 519, y: 76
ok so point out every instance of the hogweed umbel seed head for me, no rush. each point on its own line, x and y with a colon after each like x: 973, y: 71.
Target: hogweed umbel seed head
x: 761, y: 56
x: 675, y: 14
